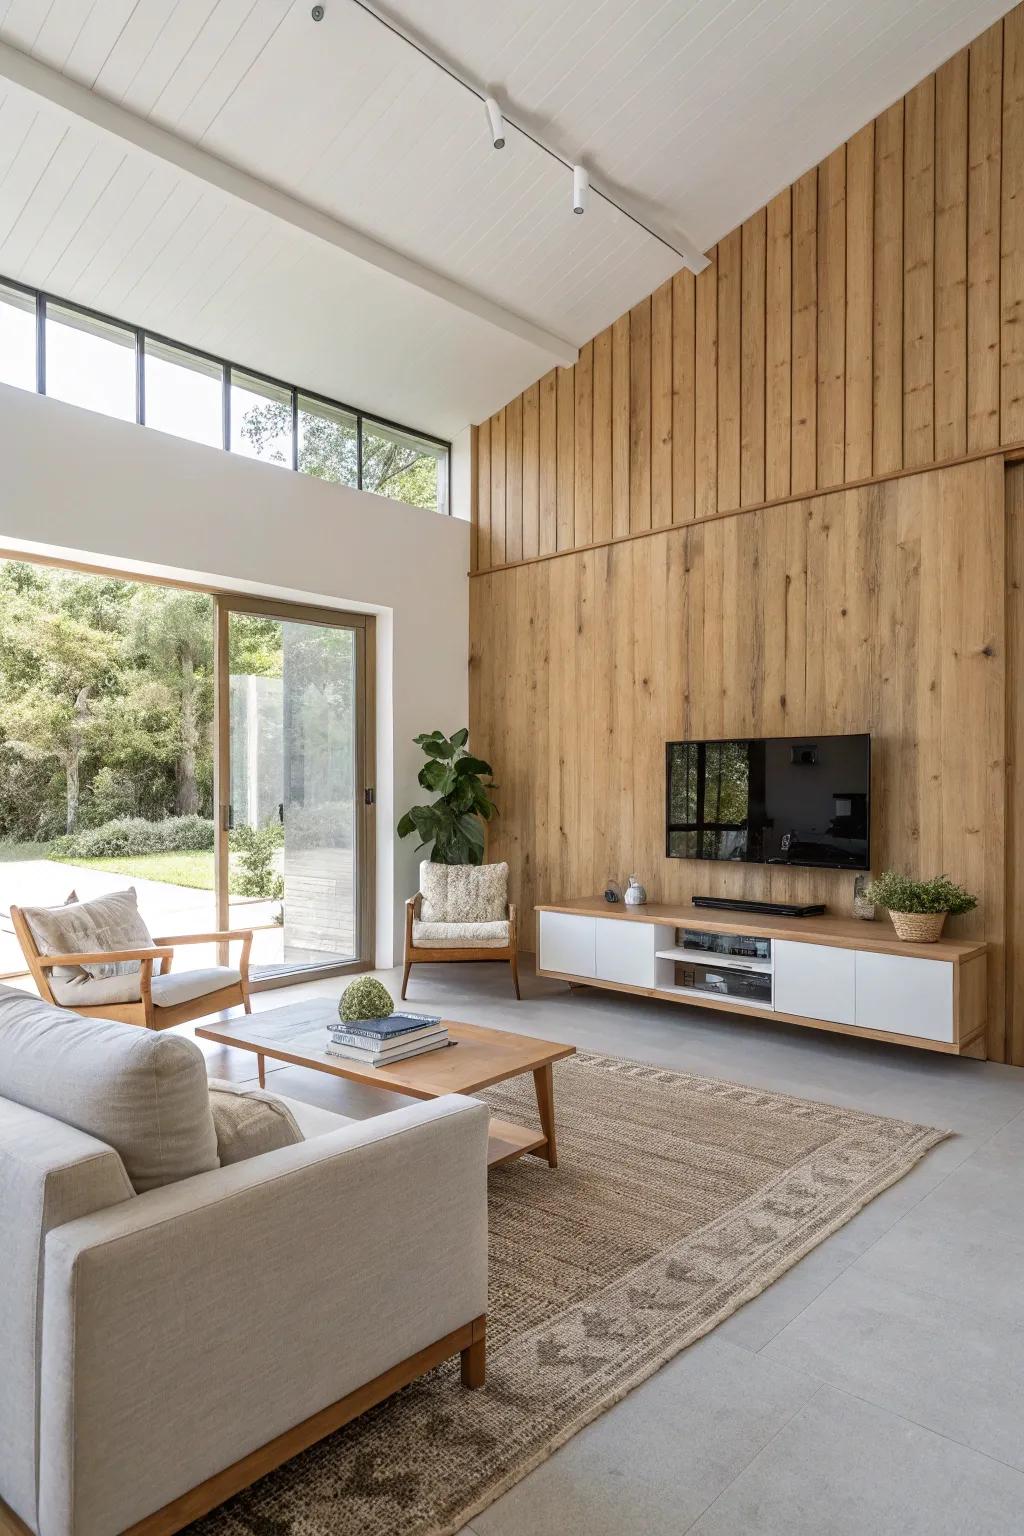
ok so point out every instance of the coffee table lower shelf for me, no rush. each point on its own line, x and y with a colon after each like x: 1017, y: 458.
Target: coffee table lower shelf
x: 507, y: 1141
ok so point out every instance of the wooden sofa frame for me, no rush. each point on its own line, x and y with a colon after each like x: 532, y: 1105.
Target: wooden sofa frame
x: 420, y: 955
x: 144, y: 1012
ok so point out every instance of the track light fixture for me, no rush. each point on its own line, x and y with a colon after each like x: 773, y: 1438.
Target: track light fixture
x: 678, y: 245
x: 496, y: 121
x: 580, y: 188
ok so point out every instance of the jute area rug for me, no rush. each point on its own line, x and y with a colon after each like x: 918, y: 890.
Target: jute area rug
x: 677, y: 1198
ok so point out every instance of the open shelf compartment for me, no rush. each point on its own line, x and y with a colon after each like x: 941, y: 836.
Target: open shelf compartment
x: 721, y: 968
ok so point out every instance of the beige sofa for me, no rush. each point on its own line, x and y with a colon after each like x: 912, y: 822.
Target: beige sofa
x: 171, y: 1329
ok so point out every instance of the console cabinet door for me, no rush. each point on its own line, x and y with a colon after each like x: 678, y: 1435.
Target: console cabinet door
x: 625, y: 951
x: 905, y: 996
x: 815, y: 981
x: 567, y: 943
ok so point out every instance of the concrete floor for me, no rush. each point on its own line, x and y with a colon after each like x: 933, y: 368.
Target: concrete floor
x: 878, y: 1387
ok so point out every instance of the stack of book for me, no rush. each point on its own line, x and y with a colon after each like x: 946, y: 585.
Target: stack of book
x: 379, y: 1042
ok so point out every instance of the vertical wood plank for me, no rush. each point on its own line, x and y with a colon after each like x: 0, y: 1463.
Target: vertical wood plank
x: 684, y: 321
x: 778, y: 346
x: 1015, y: 764
x: 832, y: 317
x: 474, y: 498
x: 620, y: 426
x: 730, y: 259
x: 860, y: 223
x: 705, y: 393
x: 951, y: 257
x: 531, y: 471
x: 752, y: 358
x: 983, y: 172
x: 805, y: 333
x: 548, y: 468
x: 498, y: 483
x: 603, y: 435
x: 566, y: 466
x: 1011, y: 282
x: 514, y: 479
x: 483, y: 496
x: 888, y: 292
x: 919, y: 274
x: 640, y: 416
x: 661, y: 406
x: 583, y: 500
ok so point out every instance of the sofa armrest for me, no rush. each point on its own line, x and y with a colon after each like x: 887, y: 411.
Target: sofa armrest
x: 50, y: 1174
x: 236, y: 1304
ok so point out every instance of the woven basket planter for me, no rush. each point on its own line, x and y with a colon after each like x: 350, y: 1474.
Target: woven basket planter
x: 918, y: 927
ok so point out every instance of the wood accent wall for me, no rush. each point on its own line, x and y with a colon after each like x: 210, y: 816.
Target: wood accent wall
x: 880, y: 608
x: 869, y: 320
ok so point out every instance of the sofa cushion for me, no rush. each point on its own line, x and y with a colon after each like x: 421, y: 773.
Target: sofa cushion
x: 185, y: 986
x: 460, y: 935
x: 249, y: 1121
x: 106, y: 922
x: 142, y: 1093
x: 463, y: 893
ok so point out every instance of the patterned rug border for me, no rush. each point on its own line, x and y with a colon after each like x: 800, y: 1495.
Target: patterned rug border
x: 900, y: 1164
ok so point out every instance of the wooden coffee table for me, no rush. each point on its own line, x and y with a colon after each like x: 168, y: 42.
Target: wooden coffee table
x: 480, y: 1057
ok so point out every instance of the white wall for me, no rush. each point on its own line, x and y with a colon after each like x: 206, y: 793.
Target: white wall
x: 460, y: 491
x: 82, y: 486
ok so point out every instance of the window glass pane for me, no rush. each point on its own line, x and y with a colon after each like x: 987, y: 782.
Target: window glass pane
x: 261, y: 419
x: 183, y: 394
x: 328, y: 442
x: 90, y: 362
x: 17, y: 338
x: 405, y: 467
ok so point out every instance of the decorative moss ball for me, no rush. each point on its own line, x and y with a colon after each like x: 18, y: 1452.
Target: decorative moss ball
x: 365, y: 998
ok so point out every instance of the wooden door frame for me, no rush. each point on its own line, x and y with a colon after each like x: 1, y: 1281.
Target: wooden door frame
x: 364, y: 823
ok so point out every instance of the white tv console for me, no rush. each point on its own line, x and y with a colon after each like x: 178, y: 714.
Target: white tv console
x: 829, y: 973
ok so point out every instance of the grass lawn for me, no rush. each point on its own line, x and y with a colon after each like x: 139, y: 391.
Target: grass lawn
x: 191, y: 869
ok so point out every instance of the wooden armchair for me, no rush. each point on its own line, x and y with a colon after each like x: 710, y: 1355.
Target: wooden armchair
x: 164, y: 998
x: 445, y: 938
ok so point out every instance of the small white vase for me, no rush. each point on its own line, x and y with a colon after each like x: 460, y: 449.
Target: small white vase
x: 636, y: 895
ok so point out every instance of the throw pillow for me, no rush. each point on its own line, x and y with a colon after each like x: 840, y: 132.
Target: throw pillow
x: 249, y: 1121
x: 463, y: 893
x: 83, y: 927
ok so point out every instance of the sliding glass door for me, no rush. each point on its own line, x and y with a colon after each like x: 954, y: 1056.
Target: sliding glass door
x: 294, y: 785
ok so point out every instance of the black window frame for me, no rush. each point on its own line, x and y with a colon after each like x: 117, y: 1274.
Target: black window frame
x: 227, y: 366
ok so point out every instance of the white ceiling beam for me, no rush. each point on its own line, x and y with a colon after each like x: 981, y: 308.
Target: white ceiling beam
x: 112, y: 118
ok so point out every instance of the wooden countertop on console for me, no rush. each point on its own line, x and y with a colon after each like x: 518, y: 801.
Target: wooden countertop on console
x: 842, y: 932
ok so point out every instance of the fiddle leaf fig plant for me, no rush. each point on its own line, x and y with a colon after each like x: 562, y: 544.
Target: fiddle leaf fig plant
x: 453, y: 823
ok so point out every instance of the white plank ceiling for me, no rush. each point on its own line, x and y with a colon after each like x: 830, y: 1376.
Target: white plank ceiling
x: 694, y: 111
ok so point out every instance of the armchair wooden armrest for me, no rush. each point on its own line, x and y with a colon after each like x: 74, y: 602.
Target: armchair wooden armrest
x: 160, y: 951
x: 223, y: 937
x: 219, y: 937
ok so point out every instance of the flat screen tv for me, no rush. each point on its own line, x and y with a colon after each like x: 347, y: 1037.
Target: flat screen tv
x: 802, y: 800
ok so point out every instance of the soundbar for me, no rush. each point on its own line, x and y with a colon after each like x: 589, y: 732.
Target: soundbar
x: 769, y: 908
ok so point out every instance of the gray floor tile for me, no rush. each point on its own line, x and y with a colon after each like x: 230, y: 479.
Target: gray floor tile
x: 947, y: 1249
x: 842, y: 1467
x: 945, y: 1366
x: 650, y: 1471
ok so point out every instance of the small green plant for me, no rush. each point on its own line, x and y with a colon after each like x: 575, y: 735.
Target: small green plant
x: 254, y: 873
x: 453, y: 823
x: 365, y: 998
x: 899, y: 893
